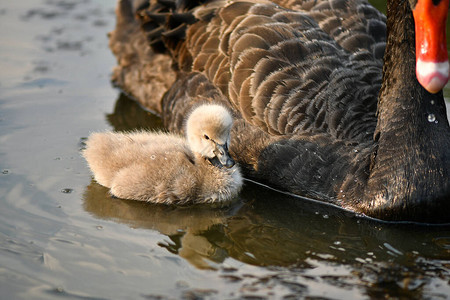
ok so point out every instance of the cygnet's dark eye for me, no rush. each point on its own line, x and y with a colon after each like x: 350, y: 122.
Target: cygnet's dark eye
x: 206, y: 137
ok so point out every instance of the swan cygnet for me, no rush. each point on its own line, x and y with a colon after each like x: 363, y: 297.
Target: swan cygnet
x: 167, y: 168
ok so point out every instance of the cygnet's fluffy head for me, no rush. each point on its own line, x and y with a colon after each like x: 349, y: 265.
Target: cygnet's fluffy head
x: 208, y: 133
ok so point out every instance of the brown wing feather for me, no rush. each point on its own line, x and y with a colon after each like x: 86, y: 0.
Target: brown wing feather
x: 268, y: 55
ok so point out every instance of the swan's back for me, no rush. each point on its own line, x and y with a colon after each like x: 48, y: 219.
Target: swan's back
x: 288, y: 72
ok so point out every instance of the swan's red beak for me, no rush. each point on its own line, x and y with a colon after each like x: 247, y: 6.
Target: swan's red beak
x: 432, y: 67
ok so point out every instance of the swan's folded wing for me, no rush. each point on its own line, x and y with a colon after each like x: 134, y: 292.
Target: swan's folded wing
x: 277, y: 67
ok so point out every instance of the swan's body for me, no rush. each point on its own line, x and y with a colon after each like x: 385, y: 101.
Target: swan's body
x: 315, y: 114
x: 167, y: 168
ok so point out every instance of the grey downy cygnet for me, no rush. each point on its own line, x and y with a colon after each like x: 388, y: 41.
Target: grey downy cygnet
x: 167, y: 168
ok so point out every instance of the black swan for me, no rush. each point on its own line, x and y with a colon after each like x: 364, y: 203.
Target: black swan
x: 316, y: 112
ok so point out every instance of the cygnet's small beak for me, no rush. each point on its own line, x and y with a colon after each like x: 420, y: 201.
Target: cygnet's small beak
x: 222, y: 154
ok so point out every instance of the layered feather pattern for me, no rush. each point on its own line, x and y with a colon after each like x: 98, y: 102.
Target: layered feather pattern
x: 287, y: 71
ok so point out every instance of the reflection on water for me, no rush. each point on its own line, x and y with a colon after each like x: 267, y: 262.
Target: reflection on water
x: 287, y: 234
x: 184, y: 226
x: 128, y: 115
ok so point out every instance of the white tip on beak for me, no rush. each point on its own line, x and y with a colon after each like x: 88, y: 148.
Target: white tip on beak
x: 433, y: 76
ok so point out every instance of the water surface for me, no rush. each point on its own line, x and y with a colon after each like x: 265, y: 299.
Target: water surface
x: 63, y: 236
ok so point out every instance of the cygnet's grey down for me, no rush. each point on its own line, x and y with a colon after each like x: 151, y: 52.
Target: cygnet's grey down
x: 167, y: 168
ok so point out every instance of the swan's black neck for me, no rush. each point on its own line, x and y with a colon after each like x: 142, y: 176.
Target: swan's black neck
x: 409, y: 173
x: 402, y: 98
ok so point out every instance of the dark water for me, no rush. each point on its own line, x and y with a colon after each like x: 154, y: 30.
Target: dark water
x: 62, y: 236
